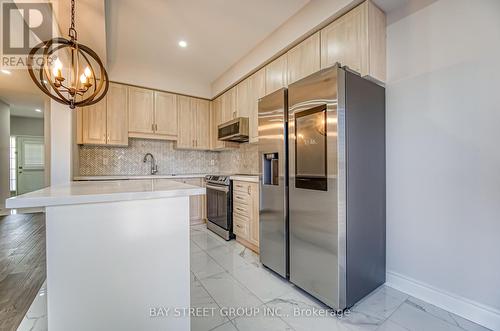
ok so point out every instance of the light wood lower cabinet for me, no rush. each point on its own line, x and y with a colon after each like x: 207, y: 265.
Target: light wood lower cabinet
x: 197, y: 203
x: 246, y: 213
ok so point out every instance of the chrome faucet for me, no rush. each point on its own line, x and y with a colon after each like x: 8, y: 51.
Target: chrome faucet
x: 154, y: 166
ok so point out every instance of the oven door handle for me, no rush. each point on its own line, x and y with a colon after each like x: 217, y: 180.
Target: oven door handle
x: 218, y: 188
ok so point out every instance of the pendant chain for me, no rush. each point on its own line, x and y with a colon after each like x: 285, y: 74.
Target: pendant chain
x: 72, y: 14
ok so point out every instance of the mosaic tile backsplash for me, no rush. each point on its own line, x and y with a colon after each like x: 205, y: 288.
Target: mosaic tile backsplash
x: 106, y: 161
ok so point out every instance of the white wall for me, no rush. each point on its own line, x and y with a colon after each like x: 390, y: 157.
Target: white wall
x: 443, y: 155
x: 4, y: 154
x: 26, y: 126
x: 61, y: 143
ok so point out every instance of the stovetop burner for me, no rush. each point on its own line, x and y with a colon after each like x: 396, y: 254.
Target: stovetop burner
x: 218, y: 179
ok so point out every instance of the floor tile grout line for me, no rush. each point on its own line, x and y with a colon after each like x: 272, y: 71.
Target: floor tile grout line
x: 394, y: 311
x: 437, y: 317
x: 218, y: 305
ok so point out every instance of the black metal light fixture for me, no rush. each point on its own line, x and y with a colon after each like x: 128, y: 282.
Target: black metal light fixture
x: 76, y: 85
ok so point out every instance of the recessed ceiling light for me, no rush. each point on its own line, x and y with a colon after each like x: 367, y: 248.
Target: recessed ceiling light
x: 183, y: 43
x: 5, y: 71
x: 38, y: 110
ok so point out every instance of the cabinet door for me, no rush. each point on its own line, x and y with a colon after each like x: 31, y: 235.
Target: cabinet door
x: 276, y: 74
x: 254, y: 220
x: 165, y: 119
x: 229, y: 105
x: 202, y: 124
x: 244, y: 98
x: 258, y: 89
x: 186, y: 120
x: 94, y: 123
x: 303, y: 59
x: 140, y: 105
x: 214, y: 122
x: 117, y: 115
x: 341, y: 41
x: 195, y: 202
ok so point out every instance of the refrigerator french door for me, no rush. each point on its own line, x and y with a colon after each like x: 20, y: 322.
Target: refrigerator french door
x: 336, y: 128
x: 273, y: 166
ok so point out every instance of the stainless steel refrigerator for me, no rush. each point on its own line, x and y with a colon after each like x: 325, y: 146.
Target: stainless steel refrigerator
x: 335, y: 243
x: 273, y: 166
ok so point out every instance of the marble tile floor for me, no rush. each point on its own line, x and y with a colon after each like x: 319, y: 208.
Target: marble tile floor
x: 226, y: 275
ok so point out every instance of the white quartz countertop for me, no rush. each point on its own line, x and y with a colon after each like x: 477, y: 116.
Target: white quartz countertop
x: 245, y: 178
x: 103, y: 191
x: 125, y: 177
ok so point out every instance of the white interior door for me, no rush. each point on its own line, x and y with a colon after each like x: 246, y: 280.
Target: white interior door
x: 30, y: 164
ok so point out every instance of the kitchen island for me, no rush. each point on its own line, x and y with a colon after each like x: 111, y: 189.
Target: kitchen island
x: 117, y: 254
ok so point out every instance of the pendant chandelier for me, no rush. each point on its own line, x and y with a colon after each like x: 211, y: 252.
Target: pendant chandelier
x: 76, y: 84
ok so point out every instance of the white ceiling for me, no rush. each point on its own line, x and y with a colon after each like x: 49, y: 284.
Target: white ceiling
x: 19, y: 91
x: 390, y: 5
x: 143, y: 39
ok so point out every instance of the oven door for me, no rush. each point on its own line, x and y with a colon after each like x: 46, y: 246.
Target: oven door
x: 218, y: 205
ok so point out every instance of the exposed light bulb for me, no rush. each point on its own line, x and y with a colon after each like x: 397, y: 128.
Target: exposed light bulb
x: 83, y: 79
x: 57, y: 70
x: 87, y: 72
x: 183, y: 43
x: 58, y: 64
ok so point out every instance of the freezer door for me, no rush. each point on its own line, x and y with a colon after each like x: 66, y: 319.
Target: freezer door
x: 273, y: 182
x: 317, y: 186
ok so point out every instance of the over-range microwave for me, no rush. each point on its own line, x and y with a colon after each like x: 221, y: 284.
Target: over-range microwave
x: 235, y: 130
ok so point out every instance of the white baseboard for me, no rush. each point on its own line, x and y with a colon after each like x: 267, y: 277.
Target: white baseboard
x: 481, y: 314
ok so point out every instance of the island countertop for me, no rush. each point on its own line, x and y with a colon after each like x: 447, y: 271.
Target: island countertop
x: 103, y: 191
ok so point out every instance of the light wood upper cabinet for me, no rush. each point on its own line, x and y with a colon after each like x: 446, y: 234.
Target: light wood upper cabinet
x: 152, y: 114
x: 248, y: 93
x: 244, y: 97
x: 215, y: 115
x: 117, y: 115
x: 258, y: 83
x: 165, y: 114
x: 304, y: 59
x: 202, y: 124
x: 228, y: 105
x: 141, y: 111
x: 186, y: 118
x: 94, y: 124
x: 356, y: 40
x: 276, y: 73
x: 105, y: 123
x: 215, y: 120
x: 194, y: 123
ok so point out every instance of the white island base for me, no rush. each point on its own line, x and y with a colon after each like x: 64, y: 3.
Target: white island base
x: 113, y: 265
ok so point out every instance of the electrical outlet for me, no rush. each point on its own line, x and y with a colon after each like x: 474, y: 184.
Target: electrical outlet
x: 105, y: 161
x: 212, y: 162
